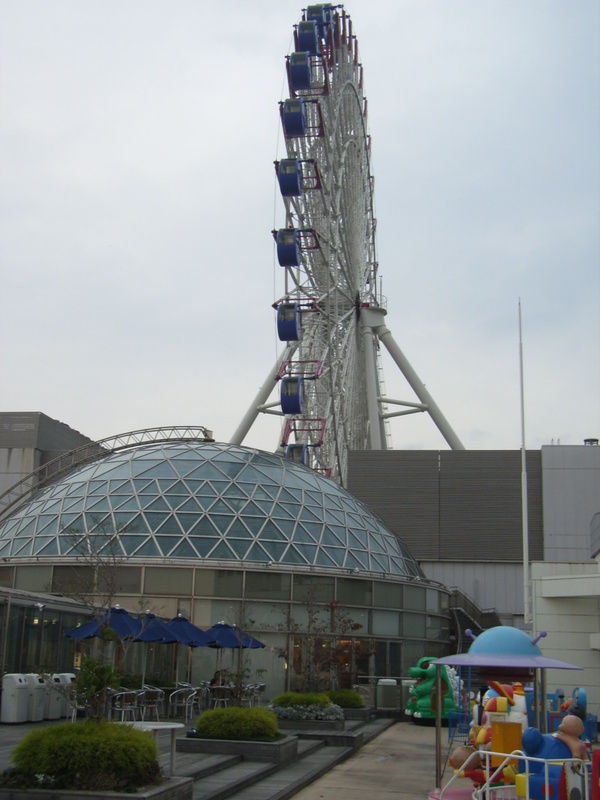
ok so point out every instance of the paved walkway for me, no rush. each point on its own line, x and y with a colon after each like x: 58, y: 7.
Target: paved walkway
x: 399, y: 764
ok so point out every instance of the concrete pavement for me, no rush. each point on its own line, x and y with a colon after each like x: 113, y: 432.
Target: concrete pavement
x: 399, y: 764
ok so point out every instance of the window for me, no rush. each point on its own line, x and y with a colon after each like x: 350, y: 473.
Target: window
x: 168, y: 580
x: 268, y: 586
x: 218, y: 583
x: 354, y: 591
x: 313, y: 588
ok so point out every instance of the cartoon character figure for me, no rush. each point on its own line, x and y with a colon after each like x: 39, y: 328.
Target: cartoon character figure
x: 422, y: 697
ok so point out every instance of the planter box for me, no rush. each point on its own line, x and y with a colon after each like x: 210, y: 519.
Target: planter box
x: 359, y: 713
x: 171, y: 789
x: 311, y: 724
x: 278, y: 752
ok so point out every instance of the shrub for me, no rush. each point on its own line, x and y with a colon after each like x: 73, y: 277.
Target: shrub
x: 346, y: 698
x: 287, y: 699
x: 312, y: 711
x: 237, y: 723
x: 86, y: 755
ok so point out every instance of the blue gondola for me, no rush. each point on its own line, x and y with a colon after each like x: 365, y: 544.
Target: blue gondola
x: 288, y: 247
x: 292, y: 395
x: 297, y: 453
x: 321, y: 15
x: 293, y: 117
x: 308, y: 37
x: 300, y: 72
x: 289, y: 176
x: 289, y: 322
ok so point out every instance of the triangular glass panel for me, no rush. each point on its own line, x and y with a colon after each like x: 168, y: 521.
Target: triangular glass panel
x: 276, y: 549
x: 315, y: 498
x: 122, y: 518
x: 254, y: 524
x: 7, y: 529
x: 102, y: 522
x: 157, y: 505
x: 234, y: 491
x: 293, y: 556
x: 271, y: 531
x: 338, y: 532
x: 131, y: 543
x: 76, y: 490
x: 309, y: 551
x: 265, y: 492
x: 293, y: 509
x: 190, y: 506
x: 330, y: 539
x: 239, y: 530
x: 51, y: 507
x: 27, y: 526
x: 161, y: 470
x: 194, y: 486
x: 222, y: 550
x: 334, y: 517
x: 253, y: 510
x: 155, y: 520
x: 164, y: 483
x: 178, y: 489
x: 150, y: 489
x: 265, y: 505
x: 148, y: 550
x: 300, y: 535
x: 139, y: 484
x: 129, y: 504
x: 120, y: 471
x: 308, y: 514
x: 230, y: 469
x: 256, y: 553
x: 314, y: 529
x: 279, y: 512
x: 219, y: 486
x: 204, y: 527
x: 222, y: 522
x: 137, y: 525
x: 317, y: 511
x: 166, y: 543
x: 250, y: 476
x: 170, y: 527
x: 203, y: 544
x: 187, y: 521
x: 75, y: 526
x: 378, y: 563
x: 72, y: 505
x: 334, y: 554
x: 22, y: 548
x: 205, y: 472
x: 287, y: 527
x: 360, y: 537
x: 239, y: 547
x: 184, y: 550
x: 100, y: 505
x: 112, y: 548
x: 40, y: 542
x: 97, y: 487
x: 50, y: 549
x: 220, y: 507
x: 356, y: 560
x: 376, y: 544
x: 5, y: 548
x: 355, y: 519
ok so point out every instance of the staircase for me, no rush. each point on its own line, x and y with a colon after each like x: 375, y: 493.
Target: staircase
x: 217, y: 777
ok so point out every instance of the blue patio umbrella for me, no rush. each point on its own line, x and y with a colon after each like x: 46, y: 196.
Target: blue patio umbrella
x: 123, y: 624
x: 187, y: 633
x: 155, y: 629
x: 229, y: 636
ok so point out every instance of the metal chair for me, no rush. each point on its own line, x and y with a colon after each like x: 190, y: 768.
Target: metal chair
x: 220, y: 696
x: 178, y: 701
x: 125, y: 704
x: 151, y: 701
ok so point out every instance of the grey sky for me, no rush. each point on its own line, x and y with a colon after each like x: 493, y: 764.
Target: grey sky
x: 137, y: 193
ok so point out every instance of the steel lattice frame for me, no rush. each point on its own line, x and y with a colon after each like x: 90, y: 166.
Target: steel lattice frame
x: 336, y: 283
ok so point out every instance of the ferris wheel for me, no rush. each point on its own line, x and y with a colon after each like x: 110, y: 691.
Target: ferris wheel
x: 331, y: 313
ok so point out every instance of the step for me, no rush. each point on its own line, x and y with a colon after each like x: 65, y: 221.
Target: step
x: 226, y: 783
x: 288, y: 781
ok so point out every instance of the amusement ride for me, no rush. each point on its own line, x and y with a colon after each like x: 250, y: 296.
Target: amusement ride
x: 327, y: 382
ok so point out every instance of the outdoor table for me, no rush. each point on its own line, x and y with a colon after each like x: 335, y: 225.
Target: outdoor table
x: 155, y: 728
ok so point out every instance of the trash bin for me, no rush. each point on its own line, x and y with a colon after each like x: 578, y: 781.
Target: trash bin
x: 65, y: 679
x: 36, y: 697
x: 387, y: 693
x: 15, y: 698
x: 53, y: 708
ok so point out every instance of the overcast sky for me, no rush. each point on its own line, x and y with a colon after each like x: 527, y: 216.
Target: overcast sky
x: 137, y: 140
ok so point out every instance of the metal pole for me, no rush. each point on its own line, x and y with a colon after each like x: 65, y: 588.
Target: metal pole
x: 261, y: 396
x: 524, y: 509
x: 438, y: 726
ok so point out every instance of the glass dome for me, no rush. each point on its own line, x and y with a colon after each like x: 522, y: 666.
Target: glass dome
x: 207, y: 501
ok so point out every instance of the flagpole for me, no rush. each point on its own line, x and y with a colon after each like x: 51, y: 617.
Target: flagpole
x: 524, y: 507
